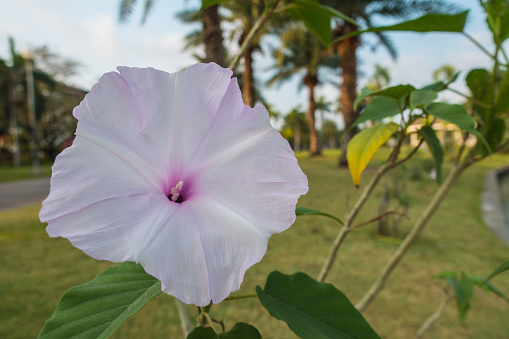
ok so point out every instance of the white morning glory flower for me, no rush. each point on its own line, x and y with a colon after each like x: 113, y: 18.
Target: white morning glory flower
x: 173, y: 171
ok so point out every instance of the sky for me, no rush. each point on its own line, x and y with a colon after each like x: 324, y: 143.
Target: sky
x: 89, y: 32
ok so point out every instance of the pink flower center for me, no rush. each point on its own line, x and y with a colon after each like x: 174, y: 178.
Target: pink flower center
x: 175, y: 195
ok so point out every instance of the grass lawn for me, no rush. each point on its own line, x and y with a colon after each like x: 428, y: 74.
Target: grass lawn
x: 9, y: 173
x: 35, y: 270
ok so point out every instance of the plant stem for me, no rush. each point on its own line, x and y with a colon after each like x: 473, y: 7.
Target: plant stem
x: 435, y: 316
x: 204, y: 318
x: 235, y: 297
x: 250, y: 36
x: 481, y: 47
x: 411, y: 237
x: 348, y: 222
x: 477, y: 102
x: 184, y: 317
x: 350, y: 216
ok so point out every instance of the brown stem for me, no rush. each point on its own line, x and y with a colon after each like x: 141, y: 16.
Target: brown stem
x: 435, y: 316
x: 351, y: 215
x: 411, y: 154
x: 411, y: 237
x: 348, y: 222
x: 383, y: 215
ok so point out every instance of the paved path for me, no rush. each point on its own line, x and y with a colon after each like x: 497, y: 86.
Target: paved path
x: 22, y: 193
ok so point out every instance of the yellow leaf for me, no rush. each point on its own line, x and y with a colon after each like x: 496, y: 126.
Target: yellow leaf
x: 363, y: 146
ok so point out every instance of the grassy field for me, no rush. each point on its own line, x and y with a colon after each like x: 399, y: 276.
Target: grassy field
x: 35, y: 270
x: 9, y: 173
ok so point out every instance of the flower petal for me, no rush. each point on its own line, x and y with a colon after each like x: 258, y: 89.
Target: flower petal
x: 203, y: 251
x: 178, y: 108
x: 116, y: 229
x: 109, y: 116
x: 252, y: 168
x: 86, y: 173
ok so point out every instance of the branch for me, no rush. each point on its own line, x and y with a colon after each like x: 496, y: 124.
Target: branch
x: 350, y: 216
x: 416, y: 230
x: 435, y: 316
x: 381, y: 216
x: 409, y: 154
x: 250, y: 36
x: 481, y: 47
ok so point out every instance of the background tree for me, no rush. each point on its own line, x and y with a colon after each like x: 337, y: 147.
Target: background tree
x: 296, y: 129
x: 365, y: 12
x: 211, y: 33
x: 54, y: 102
x: 301, y: 53
x: 330, y: 133
x: 244, y: 14
x: 323, y: 106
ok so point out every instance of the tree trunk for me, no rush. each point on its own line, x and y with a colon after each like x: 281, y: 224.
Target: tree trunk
x: 346, y: 50
x: 296, y: 136
x: 212, y: 35
x: 314, y: 144
x: 13, y: 122
x: 248, y: 92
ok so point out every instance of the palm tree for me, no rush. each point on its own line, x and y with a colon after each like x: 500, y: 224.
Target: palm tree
x: 296, y: 128
x: 212, y: 34
x: 322, y: 106
x: 330, y: 133
x: 364, y: 12
x: 245, y: 14
x: 301, y: 53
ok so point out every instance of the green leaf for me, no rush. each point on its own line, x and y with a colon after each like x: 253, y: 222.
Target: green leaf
x: 497, y: 19
x: 436, y: 149
x: 448, y: 275
x: 494, y: 136
x: 435, y: 87
x: 308, y: 211
x: 378, y: 109
x: 240, y: 330
x: 453, y: 78
x: 456, y: 114
x: 310, y: 13
x: 97, y: 308
x: 502, y: 100
x: 421, y: 98
x: 315, y: 6
x: 498, y: 270
x: 478, y: 80
x: 207, y: 3
x: 464, y: 293
x: 488, y: 287
x: 429, y: 23
x: 365, y: 92
x: 363, y: 146
x: 312, y: 309
x: 396, y: 92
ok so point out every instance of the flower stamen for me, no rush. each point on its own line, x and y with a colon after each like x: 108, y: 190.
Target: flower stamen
x: 175, y: 192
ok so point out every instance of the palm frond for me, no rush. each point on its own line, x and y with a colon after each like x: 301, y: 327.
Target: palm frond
x: 125, y: 10
x: 146, y: 10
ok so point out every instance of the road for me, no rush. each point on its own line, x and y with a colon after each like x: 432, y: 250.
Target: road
x: 22, y: 193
